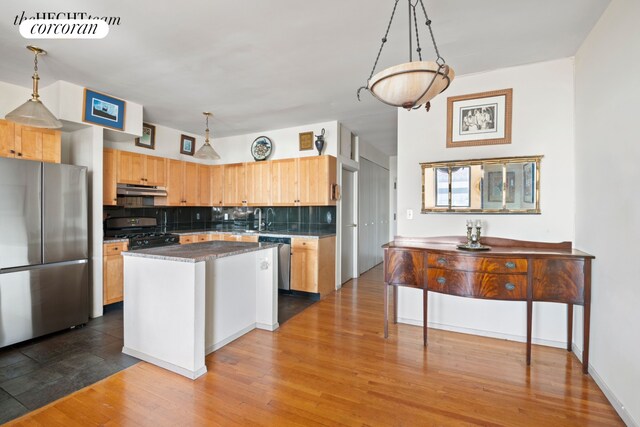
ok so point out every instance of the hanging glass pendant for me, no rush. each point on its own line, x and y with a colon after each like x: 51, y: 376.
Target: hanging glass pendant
x: 414, y: 83
x: 33, y: 112
x: 206, y: 151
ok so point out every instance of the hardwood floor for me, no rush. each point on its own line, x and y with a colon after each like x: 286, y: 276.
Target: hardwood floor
x: 330, y: 366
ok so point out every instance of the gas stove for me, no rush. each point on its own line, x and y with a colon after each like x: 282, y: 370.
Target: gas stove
x: 142, y: 232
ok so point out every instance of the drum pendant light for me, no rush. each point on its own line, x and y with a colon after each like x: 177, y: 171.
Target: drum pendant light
x: 33, y: 112
x: 207, y: 151
x: 414, y: 83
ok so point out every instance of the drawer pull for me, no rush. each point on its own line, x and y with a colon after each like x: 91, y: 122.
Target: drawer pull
x: 510, y: 286
x: 441, y: 280
x: 510, y: 264
x: 442, y: 261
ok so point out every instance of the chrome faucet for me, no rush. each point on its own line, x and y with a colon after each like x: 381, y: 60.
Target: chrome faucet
x: 267, y: 223
x: 259, y: 211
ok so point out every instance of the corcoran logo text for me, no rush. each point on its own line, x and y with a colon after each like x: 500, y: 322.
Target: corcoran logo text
x: 64, y: 25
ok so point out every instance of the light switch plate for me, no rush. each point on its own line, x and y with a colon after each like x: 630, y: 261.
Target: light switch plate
x: 409, y: 213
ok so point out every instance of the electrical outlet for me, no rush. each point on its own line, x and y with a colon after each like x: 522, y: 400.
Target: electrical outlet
x: 197, y: 216
x: 409, y: 213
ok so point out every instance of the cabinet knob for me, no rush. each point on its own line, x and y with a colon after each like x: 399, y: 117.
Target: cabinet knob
x: 510, y: 264
x: 19, y: 154
x: 442, y: 261
x: 441, y: 280
x: 12, y: 151
x: 509, y: 286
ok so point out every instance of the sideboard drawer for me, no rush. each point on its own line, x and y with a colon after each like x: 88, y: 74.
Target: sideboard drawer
x: 404, y: 267
x: 481, y: 264
x: 558, y: 280
x: 478, y: 285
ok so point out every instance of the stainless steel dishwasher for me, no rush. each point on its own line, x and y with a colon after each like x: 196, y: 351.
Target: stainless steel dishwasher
x: 284, y: 259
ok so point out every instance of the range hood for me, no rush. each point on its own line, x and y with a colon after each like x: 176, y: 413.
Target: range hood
x: 140, y: 190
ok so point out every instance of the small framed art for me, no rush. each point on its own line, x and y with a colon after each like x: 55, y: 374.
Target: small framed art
x: 187, y: 145
x: 479, y: 119
x: 148, y: 138
x: 103, y: 110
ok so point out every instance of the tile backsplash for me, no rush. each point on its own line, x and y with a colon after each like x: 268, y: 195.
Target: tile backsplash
x: 302, y: 218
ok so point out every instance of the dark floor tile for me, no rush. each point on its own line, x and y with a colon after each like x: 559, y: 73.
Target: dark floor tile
x: 71, y: 342
x: 20, y: 368
x: 10, y: 356
x: 10, y: 409
x: 289, y: 305
x: 80, y: 378
x: 30, y: 382
x: 4, y: 395
x: 113, y: 353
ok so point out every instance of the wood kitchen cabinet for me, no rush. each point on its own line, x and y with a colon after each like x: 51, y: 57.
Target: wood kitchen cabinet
x: 204, y: 185
x: 28, y: 143
x: 185, y: 240
x: 258, y: 183
x: 234, y: 185
x: 112, y: 272
x: 139, y: 169
x: 284, y: 182
x: 109, y: 173
x: 316, y: 179
x: 313, y: 265
x: 217, y: 185
x: 182, y: 183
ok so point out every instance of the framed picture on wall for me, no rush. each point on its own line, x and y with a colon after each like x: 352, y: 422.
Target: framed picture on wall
x: 103, y: 110
x: 187, y: 145
x: 479, y: 119
x: 148, y: 138
x: 306, y: 141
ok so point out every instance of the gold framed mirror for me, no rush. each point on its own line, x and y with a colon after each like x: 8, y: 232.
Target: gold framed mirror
x: 500, y: 185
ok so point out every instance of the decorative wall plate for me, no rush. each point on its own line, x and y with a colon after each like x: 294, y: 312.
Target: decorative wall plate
x: 261, y: 148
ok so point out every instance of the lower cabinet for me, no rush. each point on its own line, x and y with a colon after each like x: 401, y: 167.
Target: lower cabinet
x: 112, y: 272
x: 313, y: 265
x: 191, y: 238
x: 207, y: 237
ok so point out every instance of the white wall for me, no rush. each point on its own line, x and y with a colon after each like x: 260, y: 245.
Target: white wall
x: 393, y: 200
x: 11, y: 97
x: 542, y: 124
x: 607, y: 203
x: 236, y: 149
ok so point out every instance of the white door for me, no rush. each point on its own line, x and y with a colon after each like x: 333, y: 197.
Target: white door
x: 348, y: 226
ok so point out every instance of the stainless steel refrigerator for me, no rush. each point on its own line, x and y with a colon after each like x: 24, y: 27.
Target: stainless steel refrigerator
x: 44, y: 250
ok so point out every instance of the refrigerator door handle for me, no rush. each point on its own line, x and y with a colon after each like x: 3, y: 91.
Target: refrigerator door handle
x: 41, y: 266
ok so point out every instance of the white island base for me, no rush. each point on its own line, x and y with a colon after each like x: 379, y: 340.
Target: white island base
x: 177, y: 310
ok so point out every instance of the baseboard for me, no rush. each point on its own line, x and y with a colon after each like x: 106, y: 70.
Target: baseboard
x: 611, y: 397
x: 166, y: 365
x: 484, y: 333
x: 268, y: 327
x: 213, y: 347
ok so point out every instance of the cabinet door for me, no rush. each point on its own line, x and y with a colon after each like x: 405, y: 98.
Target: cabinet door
x: 251, y: 239
x: 175, y: 180
x: 217, y: 185
x: 304, y: 265
x: 155, y: 171
x: 190, y: 190
x: 113, y: 289
x: 185, y: 240
x: 316, y: 177
x: 284, y: 182
x: 51, y: 146
x: 258, y: 183
x: 204, y: 185
x: 109, y: 196
x: 234, y: 185
x: 203, y: 237
x: 7, y: 139
x: 130, y: 168
x: 28, y: 143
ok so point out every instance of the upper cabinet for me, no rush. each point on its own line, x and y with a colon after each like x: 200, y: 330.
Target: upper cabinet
x: 307, y: 181
x: 109, y: 171
x: 28, y: 143
x: 139, y: 169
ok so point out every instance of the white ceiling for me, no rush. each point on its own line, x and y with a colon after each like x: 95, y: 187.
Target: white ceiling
x: 269, y: 64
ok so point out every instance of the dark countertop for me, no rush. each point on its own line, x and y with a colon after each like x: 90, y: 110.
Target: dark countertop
x: 197, y: 252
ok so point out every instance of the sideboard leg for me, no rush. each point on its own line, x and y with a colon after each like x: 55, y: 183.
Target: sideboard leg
x: 569, y: 326
x: 529, y: 325
x: 587, y: 316
x: 395, y: 304
x: 386, y: 310
x: 424, y: 316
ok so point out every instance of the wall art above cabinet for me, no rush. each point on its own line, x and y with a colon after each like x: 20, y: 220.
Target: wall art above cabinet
x: 497, y: 185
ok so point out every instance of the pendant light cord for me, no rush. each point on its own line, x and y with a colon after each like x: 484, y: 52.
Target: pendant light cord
x: 440, y: 60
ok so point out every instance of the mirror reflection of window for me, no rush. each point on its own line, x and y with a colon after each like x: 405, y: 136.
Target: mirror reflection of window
x: 442, y: 187
x: 460, y: 187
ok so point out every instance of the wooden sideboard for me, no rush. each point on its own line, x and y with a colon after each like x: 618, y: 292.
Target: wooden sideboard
x: 511, y: 270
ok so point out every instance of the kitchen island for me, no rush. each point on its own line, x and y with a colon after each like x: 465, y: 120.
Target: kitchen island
x: 186, y: 301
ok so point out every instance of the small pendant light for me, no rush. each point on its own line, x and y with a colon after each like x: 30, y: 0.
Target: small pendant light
x: 207, y: 151
x: 33, y: 112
